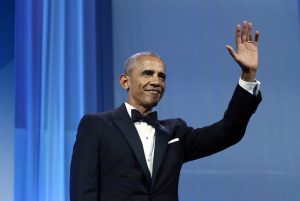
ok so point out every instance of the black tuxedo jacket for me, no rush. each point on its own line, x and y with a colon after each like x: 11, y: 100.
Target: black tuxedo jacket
x: 108, y: 162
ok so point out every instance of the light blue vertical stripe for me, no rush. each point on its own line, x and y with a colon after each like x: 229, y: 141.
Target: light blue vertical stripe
x: 74, y: 65
x: 29, y: 173
x: 80, y: 74
x: 51, y: 166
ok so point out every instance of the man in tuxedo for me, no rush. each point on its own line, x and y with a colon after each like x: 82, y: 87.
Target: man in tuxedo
x: 127, y: 154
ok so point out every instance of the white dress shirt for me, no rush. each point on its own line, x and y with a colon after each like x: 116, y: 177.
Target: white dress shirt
x: 147, y: 136
x: 147, y: 132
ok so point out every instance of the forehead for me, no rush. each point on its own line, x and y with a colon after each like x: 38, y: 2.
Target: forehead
x: 150, y: 63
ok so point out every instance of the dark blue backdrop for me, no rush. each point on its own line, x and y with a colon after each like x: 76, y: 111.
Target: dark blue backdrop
x: 7, y: 16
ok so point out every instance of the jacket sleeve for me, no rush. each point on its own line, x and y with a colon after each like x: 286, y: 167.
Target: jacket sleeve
x: 84, y: 173
x: 229, y: 130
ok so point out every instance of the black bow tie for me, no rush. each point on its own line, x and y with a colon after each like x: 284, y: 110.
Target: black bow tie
x: 150, y: 118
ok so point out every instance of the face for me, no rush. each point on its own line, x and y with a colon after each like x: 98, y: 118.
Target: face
x: 146, y: 83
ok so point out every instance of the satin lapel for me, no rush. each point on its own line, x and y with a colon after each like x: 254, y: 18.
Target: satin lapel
x: 127, y: 128
x: 161, y: 144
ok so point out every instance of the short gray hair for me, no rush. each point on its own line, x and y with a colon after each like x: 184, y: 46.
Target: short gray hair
x: 132, y: 60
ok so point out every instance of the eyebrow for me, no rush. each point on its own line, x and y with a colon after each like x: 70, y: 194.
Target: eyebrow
x: 160, y: 74
x: 152, y: 71
x: 147, y: 71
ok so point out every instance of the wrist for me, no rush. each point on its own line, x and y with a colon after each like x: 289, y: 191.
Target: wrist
x: 248, y: 76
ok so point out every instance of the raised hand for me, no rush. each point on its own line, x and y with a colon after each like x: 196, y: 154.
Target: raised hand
x: 246, y: 54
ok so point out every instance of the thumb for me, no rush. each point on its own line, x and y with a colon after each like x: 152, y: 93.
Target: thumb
x: 231, y: 51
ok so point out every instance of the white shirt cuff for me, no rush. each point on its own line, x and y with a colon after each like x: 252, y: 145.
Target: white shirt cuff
x: 251, y: 87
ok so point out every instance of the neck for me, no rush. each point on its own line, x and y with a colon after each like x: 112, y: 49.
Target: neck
x: 141, y: 109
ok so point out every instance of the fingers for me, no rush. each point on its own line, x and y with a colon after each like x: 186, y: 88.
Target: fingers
x: 249, y: 32
x: 256, y: 36
x: 238, y: 35
x: 231, y: 51
x: 244, y: 34
x: 244, y: 31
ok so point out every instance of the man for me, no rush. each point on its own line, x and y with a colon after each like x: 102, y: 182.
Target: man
x: 126, y: 154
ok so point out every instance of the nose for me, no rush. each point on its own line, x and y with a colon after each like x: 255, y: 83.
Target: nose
x: 155, y: 80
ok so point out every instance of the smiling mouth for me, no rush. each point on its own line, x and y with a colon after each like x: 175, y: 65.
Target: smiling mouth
x: 154, y: 92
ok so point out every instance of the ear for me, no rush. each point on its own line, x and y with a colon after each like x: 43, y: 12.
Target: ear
x: 124, y: 81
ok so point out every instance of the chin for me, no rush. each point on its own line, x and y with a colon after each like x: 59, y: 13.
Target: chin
x: 150, y: 104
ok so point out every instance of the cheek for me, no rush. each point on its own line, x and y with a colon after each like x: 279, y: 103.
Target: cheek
x: 138, y: 91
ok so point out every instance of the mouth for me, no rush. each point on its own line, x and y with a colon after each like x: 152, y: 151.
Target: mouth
x: 153, y: 91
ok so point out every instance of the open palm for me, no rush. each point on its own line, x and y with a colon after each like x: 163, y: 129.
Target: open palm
x: 246, y: 54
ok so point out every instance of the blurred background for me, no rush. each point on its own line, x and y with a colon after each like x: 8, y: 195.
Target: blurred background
x: 62, y: 59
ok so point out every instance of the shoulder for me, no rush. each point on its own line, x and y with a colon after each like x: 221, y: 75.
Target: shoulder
x: 109, y: 114
x: 97, y: 117
x: 100, y: 115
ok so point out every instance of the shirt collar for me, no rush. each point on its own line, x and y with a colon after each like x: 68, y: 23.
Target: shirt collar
x: 129, y: 108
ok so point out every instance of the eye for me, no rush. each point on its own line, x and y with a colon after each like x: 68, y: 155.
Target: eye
x: 162, y: 76
x: 147, y: 72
